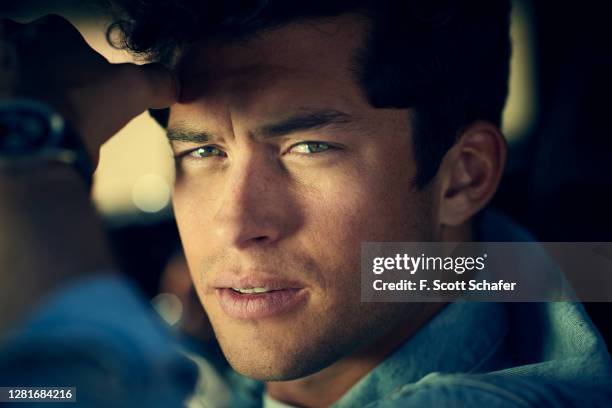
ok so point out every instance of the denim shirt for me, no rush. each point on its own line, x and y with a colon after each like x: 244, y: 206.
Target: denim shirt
x: 100, y: 336
x: 543, y: 354
x: 495, y: 354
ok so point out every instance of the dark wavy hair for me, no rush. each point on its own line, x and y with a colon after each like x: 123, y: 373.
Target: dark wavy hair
x: 447, y: 60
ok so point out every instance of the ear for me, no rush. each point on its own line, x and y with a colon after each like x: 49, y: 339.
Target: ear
x: 470, y: 172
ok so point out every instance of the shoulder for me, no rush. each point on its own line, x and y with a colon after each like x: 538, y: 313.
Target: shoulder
x: 490, y: 390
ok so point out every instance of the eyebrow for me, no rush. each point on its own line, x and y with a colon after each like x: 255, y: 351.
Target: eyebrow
x: 303, y: 121
x: 300, y: 122
x: 183, y: 133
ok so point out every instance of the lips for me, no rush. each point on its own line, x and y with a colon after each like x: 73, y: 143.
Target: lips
x: 259, y: 297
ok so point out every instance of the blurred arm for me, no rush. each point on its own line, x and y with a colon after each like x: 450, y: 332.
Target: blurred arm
x: 50, y: 234
x: 49, y: 231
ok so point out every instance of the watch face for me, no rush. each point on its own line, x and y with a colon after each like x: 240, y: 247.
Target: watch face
x: 27, y: 128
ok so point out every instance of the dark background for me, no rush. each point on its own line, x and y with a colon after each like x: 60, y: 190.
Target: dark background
x: 559, y: 179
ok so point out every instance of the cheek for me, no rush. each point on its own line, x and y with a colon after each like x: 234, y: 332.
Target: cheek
x: 352, y: 207
x: 368, y: 202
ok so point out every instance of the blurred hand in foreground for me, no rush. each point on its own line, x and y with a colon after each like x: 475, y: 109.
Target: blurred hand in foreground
x: 49, y: 60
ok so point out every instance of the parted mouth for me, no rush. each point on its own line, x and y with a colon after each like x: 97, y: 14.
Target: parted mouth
x: 260, y: 302
x: 253, y: 290
x: 256, y: 284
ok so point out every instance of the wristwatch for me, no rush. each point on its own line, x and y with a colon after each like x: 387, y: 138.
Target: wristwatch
x: 33, y: 134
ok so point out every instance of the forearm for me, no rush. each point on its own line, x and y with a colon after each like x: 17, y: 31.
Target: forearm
x: 50, y: 234
x: 49, y: 230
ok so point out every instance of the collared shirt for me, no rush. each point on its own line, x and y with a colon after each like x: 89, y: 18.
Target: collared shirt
x: 100, y: 336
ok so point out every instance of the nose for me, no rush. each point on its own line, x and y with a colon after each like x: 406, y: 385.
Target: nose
x: 256, y: 208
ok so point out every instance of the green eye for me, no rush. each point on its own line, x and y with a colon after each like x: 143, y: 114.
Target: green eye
x: 310, y: 147
x: 207, y: 151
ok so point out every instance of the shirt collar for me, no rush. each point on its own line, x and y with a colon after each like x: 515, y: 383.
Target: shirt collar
x: 463, y: 337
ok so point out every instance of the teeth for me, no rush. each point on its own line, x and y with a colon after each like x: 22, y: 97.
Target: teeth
x: 251, y: 290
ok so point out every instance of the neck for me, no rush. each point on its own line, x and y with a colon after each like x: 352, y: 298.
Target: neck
x: 330, y: 384
x: 460, y: 233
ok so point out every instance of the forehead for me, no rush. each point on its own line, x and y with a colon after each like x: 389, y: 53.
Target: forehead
x: 305, y: 62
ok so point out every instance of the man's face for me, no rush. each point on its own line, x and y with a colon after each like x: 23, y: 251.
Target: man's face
x: 286, y: 169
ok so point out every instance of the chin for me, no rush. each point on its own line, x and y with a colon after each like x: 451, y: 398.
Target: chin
x: 277, y: 365
x: 267, y: 371
x: 280, y: 358
x: 302, y: 346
